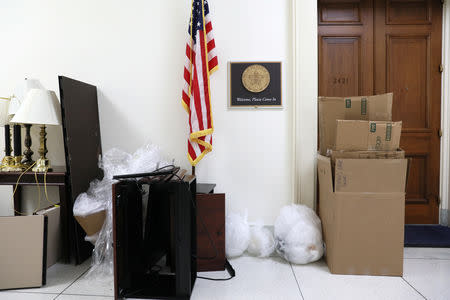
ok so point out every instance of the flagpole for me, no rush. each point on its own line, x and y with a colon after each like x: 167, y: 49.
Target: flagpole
x: 193, y: 170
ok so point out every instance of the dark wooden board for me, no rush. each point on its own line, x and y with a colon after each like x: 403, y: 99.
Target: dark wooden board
x: 82, y: 145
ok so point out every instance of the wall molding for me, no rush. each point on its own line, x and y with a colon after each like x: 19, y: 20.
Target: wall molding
x: 445, y: 114
x: 305, y: 92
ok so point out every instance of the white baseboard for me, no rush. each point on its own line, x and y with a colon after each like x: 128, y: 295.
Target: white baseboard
x: 444, y: 216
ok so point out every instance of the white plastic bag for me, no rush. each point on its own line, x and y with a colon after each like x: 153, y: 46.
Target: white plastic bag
x: 262, y: 242
x: 237, y: 234
x: 298, y: 233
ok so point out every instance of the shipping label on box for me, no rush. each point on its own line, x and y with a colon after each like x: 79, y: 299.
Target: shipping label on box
x: 377, y: 108
x: 355, y: 135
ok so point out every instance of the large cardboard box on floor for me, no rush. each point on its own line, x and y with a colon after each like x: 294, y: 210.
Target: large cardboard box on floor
x: 363, y: 215
x: 356, y: 135
x: 23, y: 252
x: 374, y: 108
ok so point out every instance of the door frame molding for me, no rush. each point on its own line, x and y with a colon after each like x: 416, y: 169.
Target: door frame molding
x: 445, y: 118
x: 305, y: 92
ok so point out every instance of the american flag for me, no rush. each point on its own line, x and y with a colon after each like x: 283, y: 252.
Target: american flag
x: 201, y: 61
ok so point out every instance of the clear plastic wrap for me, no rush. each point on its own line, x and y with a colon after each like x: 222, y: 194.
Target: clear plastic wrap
x: 262, y: 243
x: 99, y: 197
x: 237, y: 234
x: 298, y: 234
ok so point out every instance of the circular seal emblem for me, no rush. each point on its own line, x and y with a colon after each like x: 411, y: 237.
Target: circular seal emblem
x: 256, y: 78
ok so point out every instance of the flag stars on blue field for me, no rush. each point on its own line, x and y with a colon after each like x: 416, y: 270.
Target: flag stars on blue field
x: 197, y: 17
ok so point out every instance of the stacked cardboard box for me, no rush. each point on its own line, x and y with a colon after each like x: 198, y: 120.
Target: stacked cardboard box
x: 362, y: 180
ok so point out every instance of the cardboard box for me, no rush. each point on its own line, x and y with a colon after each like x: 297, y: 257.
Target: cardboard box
x: 376, y: 108
x: 363, y: 231
x: 23, y: 250
x: 54, y: 236
x: 354, y: 135
x: 92, y: 224
x: 367, y: 154
x: 370, y: 175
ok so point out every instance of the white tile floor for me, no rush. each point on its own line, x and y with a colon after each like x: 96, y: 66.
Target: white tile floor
x: 426, y: 276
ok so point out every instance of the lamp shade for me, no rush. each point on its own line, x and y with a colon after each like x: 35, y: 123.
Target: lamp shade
x: 39, y: 107
x: 4, y: 104
x: 14, y: 105
x: 20, y: 92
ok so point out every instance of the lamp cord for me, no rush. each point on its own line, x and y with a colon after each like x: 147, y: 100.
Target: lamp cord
x: 39, y: 192
x: 228, y: 266
x: 45, y: 190
x: 16, y: 186
x: 38, y: 188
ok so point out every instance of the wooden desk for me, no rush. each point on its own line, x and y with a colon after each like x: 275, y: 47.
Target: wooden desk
x: 58, y: 177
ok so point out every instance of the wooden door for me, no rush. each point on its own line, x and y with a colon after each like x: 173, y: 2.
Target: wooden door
x: 405, y: 41
x: 345, y: 48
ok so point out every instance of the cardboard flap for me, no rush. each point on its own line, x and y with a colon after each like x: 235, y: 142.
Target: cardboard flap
x: 325, y: 175
x: 351, y: 135
x: 380, y: 107
x: 370, y: 175
x: 356, y: 135
x: 54, y: 236
x: 330, y: 109
x: 327, y: 204
x: 366, y: 154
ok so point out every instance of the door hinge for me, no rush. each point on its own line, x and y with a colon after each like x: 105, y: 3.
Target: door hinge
x: 441, y: 68
x: 439, y: 200
x: 440, y: 133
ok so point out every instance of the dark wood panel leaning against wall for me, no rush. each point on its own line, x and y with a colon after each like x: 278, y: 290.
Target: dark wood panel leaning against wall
x: 377, y: 46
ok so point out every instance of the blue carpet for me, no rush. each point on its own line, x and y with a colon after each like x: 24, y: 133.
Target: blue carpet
x: 427, y: 236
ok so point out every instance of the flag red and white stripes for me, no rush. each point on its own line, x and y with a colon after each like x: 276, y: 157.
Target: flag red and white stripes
x: 201, y: 62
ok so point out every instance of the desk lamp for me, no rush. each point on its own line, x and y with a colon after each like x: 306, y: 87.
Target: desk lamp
x: 20, y: 93
x: 39, y: 107
x: 16, y: 161
x: 7, y: 160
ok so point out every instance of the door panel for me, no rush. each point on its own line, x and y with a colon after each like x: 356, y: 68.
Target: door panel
x: 416, y: 182
x: 378, y: 46
x: 409, y: 81
x: 341, y: 59
x: 345, y: 51
x: 408, y: 12
x: 340, y: 13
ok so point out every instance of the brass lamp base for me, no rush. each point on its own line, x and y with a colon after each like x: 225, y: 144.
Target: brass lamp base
x: 42, y: 165
x: 7, y: 163
x: 17, y: 164
x: 12, y: 164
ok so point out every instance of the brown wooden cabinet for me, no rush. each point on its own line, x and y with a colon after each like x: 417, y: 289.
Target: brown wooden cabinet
x: 211, y: 218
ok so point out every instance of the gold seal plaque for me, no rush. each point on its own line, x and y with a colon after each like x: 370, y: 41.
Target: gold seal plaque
x: 256, y: 78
